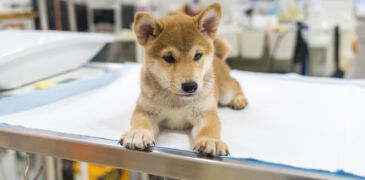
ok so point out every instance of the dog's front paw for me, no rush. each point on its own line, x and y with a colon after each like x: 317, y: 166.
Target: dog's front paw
x: 238, y: 102
x: 210, y: 146
x: 139, y: 139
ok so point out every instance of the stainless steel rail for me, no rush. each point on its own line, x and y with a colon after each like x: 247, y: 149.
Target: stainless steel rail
x: 160, y: 161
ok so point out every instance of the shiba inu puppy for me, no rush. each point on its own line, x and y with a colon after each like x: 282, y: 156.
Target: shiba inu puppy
x: 184, y: 78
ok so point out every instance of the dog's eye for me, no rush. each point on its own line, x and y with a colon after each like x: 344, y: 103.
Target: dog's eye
x: 197, y: 56
x: 169, y: 59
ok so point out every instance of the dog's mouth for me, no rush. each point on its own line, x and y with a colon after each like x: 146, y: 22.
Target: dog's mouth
x: 186, y: 95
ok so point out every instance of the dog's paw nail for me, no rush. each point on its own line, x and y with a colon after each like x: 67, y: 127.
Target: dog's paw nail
x: 120, y: 142
x: 201, y: 149
x: 150, y: 145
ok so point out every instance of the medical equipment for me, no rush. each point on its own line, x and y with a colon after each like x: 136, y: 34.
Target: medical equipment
x: 28, y: 56
x: 292, y: 128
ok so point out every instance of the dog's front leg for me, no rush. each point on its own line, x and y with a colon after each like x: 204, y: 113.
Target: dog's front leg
x: 206, y: 134
x: 141, y: 134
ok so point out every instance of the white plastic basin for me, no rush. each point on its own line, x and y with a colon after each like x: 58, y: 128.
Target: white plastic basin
x: 252, y: 44
x: 28, y: 56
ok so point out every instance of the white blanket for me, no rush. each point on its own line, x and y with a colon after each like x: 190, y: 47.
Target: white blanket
x: 304, y: 122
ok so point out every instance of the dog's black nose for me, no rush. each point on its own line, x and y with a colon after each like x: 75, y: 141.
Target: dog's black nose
x: 189, y: 87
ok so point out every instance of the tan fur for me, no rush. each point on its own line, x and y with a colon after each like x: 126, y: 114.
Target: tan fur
x: 162, y: 102
x: 221, y: 48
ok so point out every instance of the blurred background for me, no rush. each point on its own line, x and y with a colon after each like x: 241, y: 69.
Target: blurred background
x: 324, y: 38
x: 310, y: 37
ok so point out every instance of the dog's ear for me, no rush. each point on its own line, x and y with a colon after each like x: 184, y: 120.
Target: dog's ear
x: 208, y: 20
x: 146, y: 28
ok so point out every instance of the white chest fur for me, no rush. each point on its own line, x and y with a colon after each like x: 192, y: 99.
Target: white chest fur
x: 180, y: 117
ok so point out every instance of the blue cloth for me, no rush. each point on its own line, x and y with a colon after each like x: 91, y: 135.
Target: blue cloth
x: 14, y: 104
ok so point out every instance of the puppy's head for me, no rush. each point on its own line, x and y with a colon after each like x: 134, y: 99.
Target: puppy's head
x: 179, y: 49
